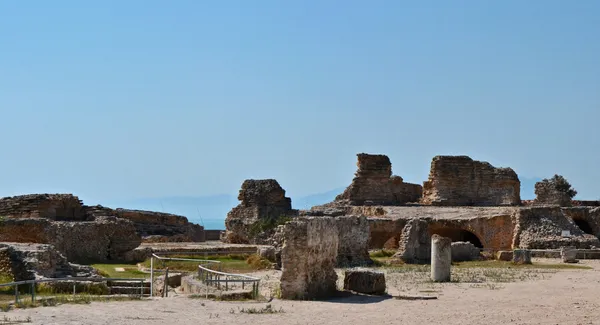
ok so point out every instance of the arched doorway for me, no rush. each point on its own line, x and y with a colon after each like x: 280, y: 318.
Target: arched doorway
x: 457, y: 234
x: 584, y: 226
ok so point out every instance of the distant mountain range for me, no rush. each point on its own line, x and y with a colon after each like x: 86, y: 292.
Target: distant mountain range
x: 210, y: 211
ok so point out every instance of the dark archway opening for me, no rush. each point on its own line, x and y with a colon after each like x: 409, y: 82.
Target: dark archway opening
x: 584, y: 226
x: 459, y: 235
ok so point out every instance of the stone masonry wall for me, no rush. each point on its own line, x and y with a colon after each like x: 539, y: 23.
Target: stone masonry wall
x: 541, y: 227
x: 102, y: 240
x: 49, y: 206
x: 308, y: 258
x: 263, y: 204
x: 374, y: 184
x: 462, y: 181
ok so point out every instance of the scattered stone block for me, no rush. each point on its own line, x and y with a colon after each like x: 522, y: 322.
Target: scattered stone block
x: 267, y: 253
x: 365, y: 281
x: 504, y: 255
x: 521, y: 256
x: 464, y: 251
x: 441, y: 258
x: 569, y: 254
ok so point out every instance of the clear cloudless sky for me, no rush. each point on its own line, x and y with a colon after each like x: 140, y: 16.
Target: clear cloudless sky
x: 140, y: 98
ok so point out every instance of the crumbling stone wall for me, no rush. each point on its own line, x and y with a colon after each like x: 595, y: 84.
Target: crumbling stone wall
x: 553, y: 192
x: 353, y: 242
x: 49, y: 206
x: 263, y: 206
x: 462, y: 181
x: 415, y: 243
x: 158, y: 226
x: 308, y: 258
x: 105, y: 239
x: 374, y: 184
x: 541, y: 227
x: 35, y: 261
x: 585, y: 217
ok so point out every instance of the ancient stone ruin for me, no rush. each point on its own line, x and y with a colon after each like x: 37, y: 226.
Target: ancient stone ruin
x: 308, y: 258
x: 374, y: 184
x: 554, y: 191
x: 87, y: 234
x: 462, y: 181
x: 262, y: 208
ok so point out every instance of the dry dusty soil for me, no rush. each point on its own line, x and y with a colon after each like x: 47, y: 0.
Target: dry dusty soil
x: 530, y: 297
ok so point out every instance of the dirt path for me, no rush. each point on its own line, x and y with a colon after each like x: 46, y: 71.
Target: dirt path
x: 565, y: 297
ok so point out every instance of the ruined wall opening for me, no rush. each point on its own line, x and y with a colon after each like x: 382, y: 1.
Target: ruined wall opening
x: 457, y: 234
x: 584, y: 226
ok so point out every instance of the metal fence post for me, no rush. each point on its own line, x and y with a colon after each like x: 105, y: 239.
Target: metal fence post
x: 16, y: 294
x: 152, y: 276
x: 33, y: 292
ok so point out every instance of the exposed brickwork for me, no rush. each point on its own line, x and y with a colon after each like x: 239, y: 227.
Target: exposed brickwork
x: 59, y: 207
x: 374, y: 184
x: 462, y: 181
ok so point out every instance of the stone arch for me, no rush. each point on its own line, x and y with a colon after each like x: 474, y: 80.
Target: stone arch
x: 584, y: 226
x: 457, y: 234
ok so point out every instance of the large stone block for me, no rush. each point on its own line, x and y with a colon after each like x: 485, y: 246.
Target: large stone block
x: 441, y: 258
x: 462, y: 181
x: 353, y: 247
x: 308, y: 258
x: 464, y: 251
x: 365, y: 281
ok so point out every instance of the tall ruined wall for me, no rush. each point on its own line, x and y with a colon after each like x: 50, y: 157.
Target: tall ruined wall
x: 158, y: 226
x: 541, y: 227
x: 462, y: 181
x: 308, y: 258
x: 263, y: 204
x: 105, y: 239
x: 59, y: 207
x: 374, y: 184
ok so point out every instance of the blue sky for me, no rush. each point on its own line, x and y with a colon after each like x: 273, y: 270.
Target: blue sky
x: 130, y: 99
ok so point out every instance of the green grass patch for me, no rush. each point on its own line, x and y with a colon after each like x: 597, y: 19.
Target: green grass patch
x: 233, y: 263
x: 382, y: 253
x: 131, y: 271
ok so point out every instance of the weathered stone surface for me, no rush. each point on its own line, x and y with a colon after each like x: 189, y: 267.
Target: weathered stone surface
x: 60, y: 207
x: 36, y: 261
x: 374, y: 184
x: 268, y: 253
x: 365, y: 281
x: 415, y: 243
x: 521, y: 256
x: 462, y: 181
x: 308, y: 258
x: 554, y: 191
x: 385, y: 232
x: 263, y: 206
x: 173, y: 281
x: 353, y: 246
x: 568, y: 254
x: 105, y: 239
x: 168, y: 227
x: 504, y: 255
x: 464, y: 251
x: 541, y: 228
x: 441, y: 258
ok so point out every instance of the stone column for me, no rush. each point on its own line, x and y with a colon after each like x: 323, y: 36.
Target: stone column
x: 441, y: 258
x: 568, y: 254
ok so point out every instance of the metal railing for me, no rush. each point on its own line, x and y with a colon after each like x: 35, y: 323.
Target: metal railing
x: 218, y: 279
x: 75, y: 280
x: 208, y: 276
x: 163, y: 259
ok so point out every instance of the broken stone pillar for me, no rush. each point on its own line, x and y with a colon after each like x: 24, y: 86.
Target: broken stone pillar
x: 568, y: 254
x: 521, y: 256
x: 441, y: 258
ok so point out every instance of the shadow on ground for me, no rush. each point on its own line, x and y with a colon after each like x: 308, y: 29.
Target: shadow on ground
x: 346, y: 297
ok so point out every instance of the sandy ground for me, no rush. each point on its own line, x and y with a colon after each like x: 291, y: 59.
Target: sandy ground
x: 536, y: 297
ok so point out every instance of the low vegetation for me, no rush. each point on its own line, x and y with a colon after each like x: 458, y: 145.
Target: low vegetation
x: 44, y: 300
x: 268, y: 309
x: 267, y: 225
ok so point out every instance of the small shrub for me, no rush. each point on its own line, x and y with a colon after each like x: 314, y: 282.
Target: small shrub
x: 258, y: 262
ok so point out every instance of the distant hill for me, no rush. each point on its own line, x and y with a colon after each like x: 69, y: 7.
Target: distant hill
x: 210, y: 211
